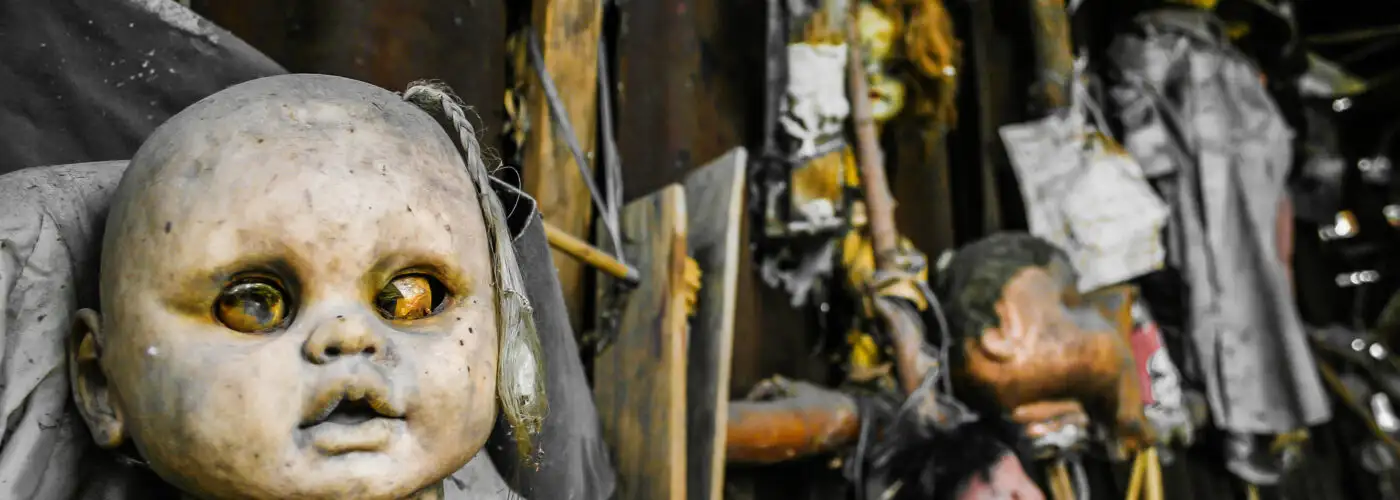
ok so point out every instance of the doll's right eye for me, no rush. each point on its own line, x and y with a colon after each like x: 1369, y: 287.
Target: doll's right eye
x: 252, y: 306
x: 410, y: 296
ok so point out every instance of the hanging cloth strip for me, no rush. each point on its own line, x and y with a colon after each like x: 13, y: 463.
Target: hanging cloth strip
x: 1219, y: 151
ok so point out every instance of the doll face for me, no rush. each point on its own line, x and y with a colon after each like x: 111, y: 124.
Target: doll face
x: 297, y: 310
x: 1044, y: 345
x: 878, y: 34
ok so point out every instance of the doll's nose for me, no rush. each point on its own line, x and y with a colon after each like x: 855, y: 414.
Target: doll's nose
x: 344, y: 336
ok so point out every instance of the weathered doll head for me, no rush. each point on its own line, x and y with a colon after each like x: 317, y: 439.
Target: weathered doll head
x: 301, y: 297
x: 1024, y: 336
x: 879, y: 33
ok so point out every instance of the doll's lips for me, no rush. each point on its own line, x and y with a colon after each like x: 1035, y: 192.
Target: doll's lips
x: 355, y: 417
x: 351, y: 405
x: 331, y: 438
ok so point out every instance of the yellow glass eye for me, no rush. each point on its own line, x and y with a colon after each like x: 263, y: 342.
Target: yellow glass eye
x: 251, y: 307
x: 407, y: 297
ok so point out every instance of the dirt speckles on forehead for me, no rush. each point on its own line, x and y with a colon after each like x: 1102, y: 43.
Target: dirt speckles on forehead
x: 289, y: 107
x: 265, y: 130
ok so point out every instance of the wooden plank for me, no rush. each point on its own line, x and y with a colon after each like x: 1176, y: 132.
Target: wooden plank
x: 922, y: 185
x: 729, y: 90
x: 658, y: 67
x: 385, y: 42
x: 714, y: 206
x: 568, y: 32
x: 991, y: 93
x: 639, y: 380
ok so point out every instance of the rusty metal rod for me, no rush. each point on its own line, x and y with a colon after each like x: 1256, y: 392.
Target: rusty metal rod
x: 588, y: 254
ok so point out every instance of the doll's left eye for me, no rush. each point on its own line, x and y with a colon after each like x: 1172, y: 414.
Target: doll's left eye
x: 253, y: 305
x: 410, y: 296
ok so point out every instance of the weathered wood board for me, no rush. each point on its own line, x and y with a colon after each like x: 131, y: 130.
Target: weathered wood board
x: 385, y: 42
x: 639, y: 381
x: 568, y: 33
x: 658, y: 64
x: 714, y: 206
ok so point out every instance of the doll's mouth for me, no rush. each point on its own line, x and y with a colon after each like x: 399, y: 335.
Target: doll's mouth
x: 352, y: 413
x: 350, y: 421
x: 348, y: 411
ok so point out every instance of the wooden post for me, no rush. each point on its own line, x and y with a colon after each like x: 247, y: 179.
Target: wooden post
x: 904, y: 327
x: 568, y: 34
x: 1053, y: 54
x: 639, y: 380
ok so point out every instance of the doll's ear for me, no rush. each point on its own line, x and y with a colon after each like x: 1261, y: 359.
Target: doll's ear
x: 1001, y: 342
x: 89, y: 381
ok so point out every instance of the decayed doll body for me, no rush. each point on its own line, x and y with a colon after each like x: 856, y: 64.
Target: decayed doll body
x: 300, y: 299
x: 1030, y: 347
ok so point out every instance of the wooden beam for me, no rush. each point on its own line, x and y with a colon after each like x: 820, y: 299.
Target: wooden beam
x: 1054, y: 58
x: 639, y: 380
x: 714, y: 206
x: 568, y: 34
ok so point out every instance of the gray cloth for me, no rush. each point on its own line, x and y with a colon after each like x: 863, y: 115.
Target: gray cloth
x: 1197, y: 117
x: 50, y: 225
x: 87, y: 80
x: 51, y: 220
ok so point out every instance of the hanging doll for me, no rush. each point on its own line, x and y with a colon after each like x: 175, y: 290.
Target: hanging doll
x: 815, y: 220
x: 809, y: 182
x: 1025, y: 340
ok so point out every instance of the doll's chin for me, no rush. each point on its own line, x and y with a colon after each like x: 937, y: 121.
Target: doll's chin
x: 364, y: 475
x: 399, y: 470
